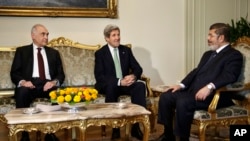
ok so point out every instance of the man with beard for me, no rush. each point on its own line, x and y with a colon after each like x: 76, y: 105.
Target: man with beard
x: 219, y: 66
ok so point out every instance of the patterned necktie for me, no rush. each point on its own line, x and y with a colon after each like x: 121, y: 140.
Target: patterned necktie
x: 40, y: 64
x: 118, y: 69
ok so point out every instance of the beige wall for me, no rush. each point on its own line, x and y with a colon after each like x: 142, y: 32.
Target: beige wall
x: 155, y: 28
x: 200, y: 15
x: 168, y: 36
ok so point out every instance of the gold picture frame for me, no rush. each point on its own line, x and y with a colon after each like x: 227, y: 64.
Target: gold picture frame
x: 107, y: 10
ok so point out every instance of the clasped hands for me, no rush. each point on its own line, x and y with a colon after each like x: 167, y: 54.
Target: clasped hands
x: 128, y: 80
x: 199, y: 96
x: 30, y: 85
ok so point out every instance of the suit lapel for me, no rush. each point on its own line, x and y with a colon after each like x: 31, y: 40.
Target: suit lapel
x: 122, y: 53
x: 30, y: 60
x: 215, y: 59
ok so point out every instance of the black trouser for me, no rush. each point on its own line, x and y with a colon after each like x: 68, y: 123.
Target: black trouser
x: 137, y: 91
x: 24, y: 96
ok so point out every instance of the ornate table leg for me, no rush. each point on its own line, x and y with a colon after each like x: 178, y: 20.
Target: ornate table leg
x: 82, y: 131
x: 146, y: 125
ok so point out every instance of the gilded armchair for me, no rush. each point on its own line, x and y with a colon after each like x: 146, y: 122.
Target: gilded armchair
x: 237, y: 114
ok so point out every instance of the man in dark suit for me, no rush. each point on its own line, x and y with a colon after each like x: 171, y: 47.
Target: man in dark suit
x: 115, y: 78
x: 217, y: 68
x: 30, y: 81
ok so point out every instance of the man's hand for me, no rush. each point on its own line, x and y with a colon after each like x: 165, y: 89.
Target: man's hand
x: 49, y: 85
x: 202, y: 93
x: 128, y: 80
x: 27, y: 84
x: 173, y: 88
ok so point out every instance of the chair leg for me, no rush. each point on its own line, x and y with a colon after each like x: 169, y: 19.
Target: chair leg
x: 103, y: 130
x: 152, y: 117
x: 38, y: 136
x: 202, y: 131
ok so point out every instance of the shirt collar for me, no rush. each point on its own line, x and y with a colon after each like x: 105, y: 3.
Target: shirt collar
x: 221, y: 48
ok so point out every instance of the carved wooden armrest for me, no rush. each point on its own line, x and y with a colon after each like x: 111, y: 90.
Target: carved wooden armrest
x: 213, y: 105
x: 147, y: 82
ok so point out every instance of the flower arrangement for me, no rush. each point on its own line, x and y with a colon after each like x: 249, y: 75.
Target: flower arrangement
x: 73, y: 95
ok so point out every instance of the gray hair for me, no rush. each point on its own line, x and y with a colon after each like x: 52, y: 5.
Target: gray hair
x: 109, y: 28
x: 33, y: 29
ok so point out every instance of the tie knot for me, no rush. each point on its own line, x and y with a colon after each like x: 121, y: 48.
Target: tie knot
x: 39, y: 49
x: 214, y: 53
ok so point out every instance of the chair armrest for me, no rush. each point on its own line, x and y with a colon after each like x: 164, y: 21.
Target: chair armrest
x: 147, y: 83
x: 213, y: 105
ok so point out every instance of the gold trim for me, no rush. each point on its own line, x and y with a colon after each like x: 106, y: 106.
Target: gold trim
x: 7, y: 49
x: 61, y: 41
x: 109, y: 12
x: 242, y: 40
x: 82, y: 125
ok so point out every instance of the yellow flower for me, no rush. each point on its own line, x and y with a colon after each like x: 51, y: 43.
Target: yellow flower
x: 87, y: 97
x: 68, y: 91
x: 79, y: 93
x: 94, y: 96
x: 53, y: 95
x: 73, y: 95
x: 62, y: 92
x: 94, y: 91
x: 60, y: 99
x: 68, y: 98
x: 77, y: 98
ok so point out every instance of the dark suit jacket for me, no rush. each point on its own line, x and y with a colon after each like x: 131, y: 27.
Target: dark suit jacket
x: 224, y: 69
x: 22, y: 66
x: 105, y: 67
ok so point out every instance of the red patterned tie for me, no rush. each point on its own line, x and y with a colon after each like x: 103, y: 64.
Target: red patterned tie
x: 40, y: 64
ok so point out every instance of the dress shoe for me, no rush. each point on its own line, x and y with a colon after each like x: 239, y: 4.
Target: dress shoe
x: 115, y: 134
x: 50, y: 137
x: 25, y: 136
x: 136, y: 131
x: 162, y: 137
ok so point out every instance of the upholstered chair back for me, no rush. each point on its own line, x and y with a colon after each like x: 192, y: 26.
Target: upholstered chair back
x: 6, y: 58
x: 243, y: 45
x: 78, y: 61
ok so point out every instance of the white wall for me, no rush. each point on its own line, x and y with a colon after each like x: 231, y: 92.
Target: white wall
x: 154, y: 28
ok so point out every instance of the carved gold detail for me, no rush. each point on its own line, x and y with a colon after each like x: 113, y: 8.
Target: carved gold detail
x: 2, y: 118
x: 61, y: 41
x: 109, y: 12
x: 82, y: 125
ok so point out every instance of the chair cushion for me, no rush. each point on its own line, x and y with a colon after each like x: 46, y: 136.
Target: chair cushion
x: 232, y: 111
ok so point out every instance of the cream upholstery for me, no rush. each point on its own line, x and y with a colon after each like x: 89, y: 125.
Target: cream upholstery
x: 78, y: 61
x: 6, y: 57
